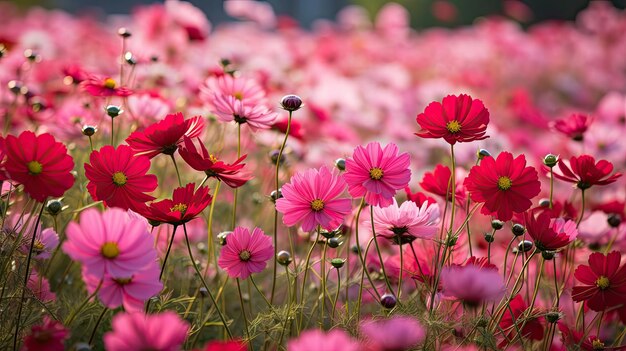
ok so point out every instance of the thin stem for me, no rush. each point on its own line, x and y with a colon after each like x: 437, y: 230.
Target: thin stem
x: 401, y: 272
x: 582, y: 210
x: 112, y: 130
x: 332, y: 314
x: 323, y: 276
x: 195, y: 266
x: 551, y: 186
x: 360, y: 253
x: 180, y: 183
x: 26, y: 278
x: 243, y: 309
x: 90, y: 144
x: 233, y: 221
x: 380, y: 256
x: 290, y: 301
x: 211, y: 249
x: 75, y: 312
x: 261, y: 293
x: 277, y: 187
x: 95, y: 328
x: 306, y: 274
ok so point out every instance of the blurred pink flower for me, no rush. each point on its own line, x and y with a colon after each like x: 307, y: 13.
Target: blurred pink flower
x: 394, y: 334
x: 136, y: 331
x: 376, y: 173
x: 407, y: 222
x: 312, y: 197
x: 317, y: 340
x: 48, y: 336
x: 40, y: 287
x: 111, y: 242
x: 472, y: 284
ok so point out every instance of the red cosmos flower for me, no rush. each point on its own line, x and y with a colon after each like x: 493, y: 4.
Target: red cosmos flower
x: 505, y: 185
x: 547, y: 233
x: 40, y: 163
x: 438, y: 181
x: 3, y: 155
x: 585, y: 172
x: 604, y: 281
x: 532, y: 326
x: 185, y: 205
x: 230, y: 345
x: 211, y: 166
x: 50, y: 336
x: 418, y: 197
x: 98, y: 86
x: 295, y: 130
x: 165, y: 136
x: 574, y: 126
x: 118, y: 178
x: 574, y: 339
x: 456, y: 119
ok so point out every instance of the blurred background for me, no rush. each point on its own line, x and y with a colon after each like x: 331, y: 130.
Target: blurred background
x: 424, y: 13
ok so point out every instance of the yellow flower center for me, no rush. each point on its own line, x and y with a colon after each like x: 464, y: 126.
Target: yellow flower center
x: 603, y: 282
x: 38, y: 247
x: 376, y: 173
x: 180, y: 207
x: 109, y: 83
x: 317, y: 205
x: 504, y: 183
x: 238, y: 95
x: 110, y: 250
x: 245, y: 255
x: 119, y: 178
x: 212, y: 158
x: 597, y: 344
x: 453, y: 126
x: 123, y: 281
x: 34, y: 167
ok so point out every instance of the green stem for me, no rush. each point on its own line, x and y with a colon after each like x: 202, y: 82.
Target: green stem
x: 180, y: 183
x: 289, y: 303
x: 277, y: 187
x: 380, y: 256
x: 26, y: 278
x: 75, y: 312
x: 401, y: 272
x: 306, y: 274
x: 582, y: 210
x: 261, y: 293
x: 360, y: 253
x: 195, y: 266
x: 332, y: 314
x: 243, y: 311
x: 95, y: 328
x: 211, y: 249
x: 551, y: 186
x: 323, y: 276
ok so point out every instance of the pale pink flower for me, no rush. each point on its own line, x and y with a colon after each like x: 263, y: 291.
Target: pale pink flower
x: 317, y: 340
x: 111, y: 242
x: 136, y: 331
x: 245, y: 253
x: 312, y: 197
x: 472, y: 284
x: 393, y: 334
x: 240, y: 88
x: 229, y: 108
x: 377, y: 173
x: 407, y: 222
x: 40, y: 287
x: 131, y: 292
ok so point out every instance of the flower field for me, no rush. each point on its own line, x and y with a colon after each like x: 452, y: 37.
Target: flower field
x: 170, y: 184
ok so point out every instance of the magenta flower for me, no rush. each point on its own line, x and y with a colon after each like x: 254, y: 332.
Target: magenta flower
x: 49, y: 336
x: 245, y: 253
x: 317, y: 340
x: 377, y: 173
x: 136, y: 331
x: 131, y: 292
x: 407, y: 222
x: 111, y: 242
x: 395, y: 333
x: 472, y: 284
x: 312, y: 197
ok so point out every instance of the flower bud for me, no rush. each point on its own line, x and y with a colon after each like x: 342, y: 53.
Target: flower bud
x: 15, y: 87
x: 113, y: 111
x: 129, y: 58
x: 291, y: 103
x: 54, y: 207
x: 388, y: 301
x: 340, y: 163
x: 327, y: 234
x: 544, y: 203
x: 553, y: 316
x: 550, y: 160
x: 203, y: 292
x: 89, y: 130
x: 221, y: 237
x: 334, y: 242
x: 614, y: 220
x: 518, y: 229
x: 525, y: 246
x: 154, y: 223
x: 337, y: 262
x: 283, y: 258
x: 83, y: 346
x: 354, y: 249
x: 497, y: 224
x: 482, y: 153
x: 274, y: 157
x: 489, y: 237
x: 274, y: 195
x: 124, y: 32
x: 451, y: 240
x: 32, y: 56
x: 547, y: 255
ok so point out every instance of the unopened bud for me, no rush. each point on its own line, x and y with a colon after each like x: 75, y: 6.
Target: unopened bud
x: 291, y: 102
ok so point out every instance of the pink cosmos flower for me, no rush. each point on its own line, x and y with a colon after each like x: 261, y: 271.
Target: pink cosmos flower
x: 245, y: 253
x: 395, y: 333
x: 40, y: 287
x: 136, y: 331
x: 317, y: 340
x: 377, y: 173
x: 312, y: 197
x: 229, y: 108
x: 45, y: 241
x: 407, y: 222
x: 111, y: 242
x: 240, y: 88
x: 131, y: 292
x: 472, y: 284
